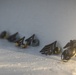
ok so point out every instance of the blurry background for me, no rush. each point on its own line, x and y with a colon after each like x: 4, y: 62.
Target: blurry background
x: 50, y: 20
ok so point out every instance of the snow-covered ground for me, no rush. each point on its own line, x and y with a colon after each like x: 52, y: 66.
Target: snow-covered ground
x: 16, y: 61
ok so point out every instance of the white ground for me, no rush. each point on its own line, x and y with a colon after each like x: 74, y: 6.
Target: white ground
x: 16, y: 61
